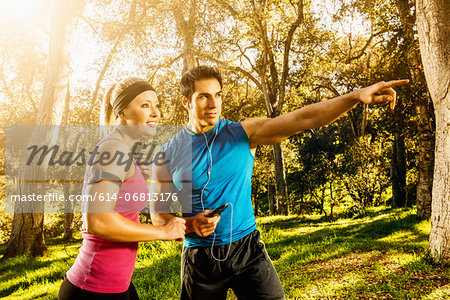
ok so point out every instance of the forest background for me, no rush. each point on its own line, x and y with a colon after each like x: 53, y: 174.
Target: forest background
x: 58, y: 58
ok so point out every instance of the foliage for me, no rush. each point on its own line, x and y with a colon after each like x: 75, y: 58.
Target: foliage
x: 380, y: 255
x: 367, y: 172
x: 343, y: 167
x: 5, y: 219
x: 136, y: 37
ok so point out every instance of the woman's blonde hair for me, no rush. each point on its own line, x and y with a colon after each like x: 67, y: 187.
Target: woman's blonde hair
x: 107, y: 116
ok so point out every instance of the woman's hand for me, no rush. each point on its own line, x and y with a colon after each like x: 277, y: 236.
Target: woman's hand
x: 146, y: 170
x: 174, y: 229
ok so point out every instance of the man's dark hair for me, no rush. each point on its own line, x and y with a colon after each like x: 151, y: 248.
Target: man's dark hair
x: 187, y: 83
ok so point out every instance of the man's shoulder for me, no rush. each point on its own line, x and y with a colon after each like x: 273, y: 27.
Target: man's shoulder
x: 225, y: 123
x: 235, y: 131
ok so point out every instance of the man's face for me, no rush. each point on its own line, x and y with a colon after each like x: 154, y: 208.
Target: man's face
x: 206, y: 102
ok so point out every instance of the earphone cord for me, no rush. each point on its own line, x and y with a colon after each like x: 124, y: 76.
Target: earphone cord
x: 231, y: 238
x: 210, y: 165
x: 201, y: 198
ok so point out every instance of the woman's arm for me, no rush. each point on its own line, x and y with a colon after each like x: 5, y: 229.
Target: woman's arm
x: 162, y: 183
x: 104, y: 222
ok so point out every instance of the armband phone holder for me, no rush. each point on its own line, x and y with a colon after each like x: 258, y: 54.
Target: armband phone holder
x: 98, y: 175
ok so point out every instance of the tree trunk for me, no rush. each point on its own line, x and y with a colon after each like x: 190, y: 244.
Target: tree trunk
x: 68, y: 227
x: 68, y: 205
x: 255, y: 191
x: 322, y: 201
x: 27, y: 231
x: 271, y: 199
x: 27, y: 234
x: 333, y: 201
x: 280, y: 178
x: 433, y: 23
x: 187, y: 28
x: 426, y: 162
x: 364, y: 119
x: 68, y: 215
x: 424, y: 112
x: 398, y: 169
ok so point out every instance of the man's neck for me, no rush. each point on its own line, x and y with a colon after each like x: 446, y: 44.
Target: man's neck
x: 196, y: 127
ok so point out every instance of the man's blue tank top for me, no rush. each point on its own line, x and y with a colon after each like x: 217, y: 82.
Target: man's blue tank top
x: 230, y: 180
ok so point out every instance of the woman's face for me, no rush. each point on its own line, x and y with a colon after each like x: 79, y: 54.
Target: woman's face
x: 142, y: 110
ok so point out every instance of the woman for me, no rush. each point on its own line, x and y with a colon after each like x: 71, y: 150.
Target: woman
x: 111, y: 230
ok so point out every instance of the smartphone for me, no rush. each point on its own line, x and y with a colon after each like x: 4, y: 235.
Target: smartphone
x: 218, y: 210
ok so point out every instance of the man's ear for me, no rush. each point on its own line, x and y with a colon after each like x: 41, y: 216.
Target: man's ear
x: 186, y: 103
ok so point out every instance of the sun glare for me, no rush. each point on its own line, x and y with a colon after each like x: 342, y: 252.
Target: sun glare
x: 19, y: 10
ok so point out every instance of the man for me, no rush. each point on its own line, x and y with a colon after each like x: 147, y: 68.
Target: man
x: 228, y: 254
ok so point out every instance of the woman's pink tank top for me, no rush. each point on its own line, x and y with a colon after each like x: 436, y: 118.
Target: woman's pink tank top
x: 105, y: 266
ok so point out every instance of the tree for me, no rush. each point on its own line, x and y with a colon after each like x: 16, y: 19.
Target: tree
x: 125, y: 28
x: 270, y: 68
x: 27, y: 229
x: 187, y: 27
x: 421, y: 102
x: 433, y: 23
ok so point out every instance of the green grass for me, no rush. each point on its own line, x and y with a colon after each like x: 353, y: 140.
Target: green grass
x: 378, y: 255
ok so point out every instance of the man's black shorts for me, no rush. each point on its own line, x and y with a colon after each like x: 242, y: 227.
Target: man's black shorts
x: 247, y: 270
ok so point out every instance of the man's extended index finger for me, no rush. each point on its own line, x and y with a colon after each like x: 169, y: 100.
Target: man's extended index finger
x: 393, y: 83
